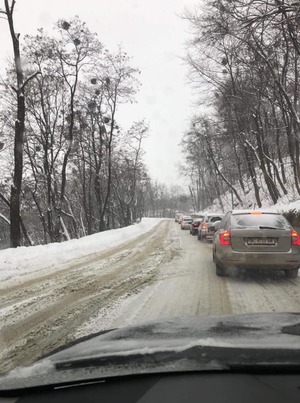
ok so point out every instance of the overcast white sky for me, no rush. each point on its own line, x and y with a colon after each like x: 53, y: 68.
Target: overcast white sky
x: 150, y: 31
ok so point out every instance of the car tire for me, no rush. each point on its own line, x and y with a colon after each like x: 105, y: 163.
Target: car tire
x: 291, y: 273
x: 220, y: 271
x: 199, y: 237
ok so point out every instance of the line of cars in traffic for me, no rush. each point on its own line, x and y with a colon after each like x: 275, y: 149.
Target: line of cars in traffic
x: 202, y: 225
x: 247, y: 239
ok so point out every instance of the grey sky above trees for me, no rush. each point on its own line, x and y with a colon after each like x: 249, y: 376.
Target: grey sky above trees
x: 153, y: 34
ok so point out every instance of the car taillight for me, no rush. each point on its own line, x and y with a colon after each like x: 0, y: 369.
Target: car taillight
x: 225, y: 238
x: 203, y: 226
x: 295, y: 238
x: 196, y: 224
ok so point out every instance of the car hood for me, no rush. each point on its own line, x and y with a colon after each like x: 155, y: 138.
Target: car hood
x: 235, y: 342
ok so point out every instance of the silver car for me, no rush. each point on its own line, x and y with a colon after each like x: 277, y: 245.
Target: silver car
x: 206, y: 229
x: 256, y: 240
x: 186, y: 221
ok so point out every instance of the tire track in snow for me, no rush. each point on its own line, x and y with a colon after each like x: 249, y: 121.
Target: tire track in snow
x: 184, y: 286
x: 189, y: 286
x: 264, y: 292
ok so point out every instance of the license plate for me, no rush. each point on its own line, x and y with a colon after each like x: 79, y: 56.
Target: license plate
x: 261, y: 241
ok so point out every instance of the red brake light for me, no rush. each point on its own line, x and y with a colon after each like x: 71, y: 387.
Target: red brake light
x: 295, y: 237
x: 225, y: 238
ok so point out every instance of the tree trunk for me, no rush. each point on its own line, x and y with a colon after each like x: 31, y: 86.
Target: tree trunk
x: 15, y: 230
x: 15, y: 199
x: 253, y: 176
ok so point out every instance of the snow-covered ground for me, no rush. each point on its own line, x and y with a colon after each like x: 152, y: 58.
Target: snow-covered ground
x: 162, y: 274
x: 20, y: 262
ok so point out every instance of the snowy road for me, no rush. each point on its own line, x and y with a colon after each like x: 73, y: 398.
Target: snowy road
x: 161, y: 274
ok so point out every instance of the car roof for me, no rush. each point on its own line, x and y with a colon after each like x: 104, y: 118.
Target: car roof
x: 263, y: 211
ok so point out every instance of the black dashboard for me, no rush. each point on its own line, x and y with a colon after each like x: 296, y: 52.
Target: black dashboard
x: 179, y: 387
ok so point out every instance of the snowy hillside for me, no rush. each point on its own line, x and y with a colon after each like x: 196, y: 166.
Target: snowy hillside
x: 287, y: 204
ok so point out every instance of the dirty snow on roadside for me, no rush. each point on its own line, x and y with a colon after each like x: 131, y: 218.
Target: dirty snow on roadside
x: 45, y: 309
x: 30, y: 261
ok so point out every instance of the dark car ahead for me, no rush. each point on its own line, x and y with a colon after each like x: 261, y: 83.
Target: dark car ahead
x: 256, y: 240
x: 195, y: 225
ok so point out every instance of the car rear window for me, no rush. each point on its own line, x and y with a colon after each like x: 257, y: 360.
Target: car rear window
x: 259, y: 220
x: 215, y: 218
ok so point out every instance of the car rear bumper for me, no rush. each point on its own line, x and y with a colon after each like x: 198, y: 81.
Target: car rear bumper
x: 260, y: 260
x: 207, y: 235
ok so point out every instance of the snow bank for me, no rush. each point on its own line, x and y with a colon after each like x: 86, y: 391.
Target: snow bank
x: 15, y: 263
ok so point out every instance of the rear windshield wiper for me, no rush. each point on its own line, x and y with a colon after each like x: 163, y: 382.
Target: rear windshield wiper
x: 266, y: 227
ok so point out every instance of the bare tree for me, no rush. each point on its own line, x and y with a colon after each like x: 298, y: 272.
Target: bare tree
x: 19, y: 89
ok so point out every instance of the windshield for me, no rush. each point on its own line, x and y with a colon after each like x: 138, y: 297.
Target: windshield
x: 119, y: 122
